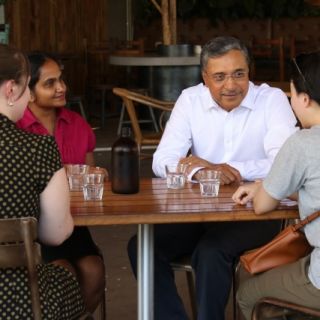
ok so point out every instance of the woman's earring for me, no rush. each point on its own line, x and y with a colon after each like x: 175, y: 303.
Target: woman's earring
x: 10, y: 103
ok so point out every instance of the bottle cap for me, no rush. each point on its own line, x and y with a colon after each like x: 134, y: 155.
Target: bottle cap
x: 125, y: 132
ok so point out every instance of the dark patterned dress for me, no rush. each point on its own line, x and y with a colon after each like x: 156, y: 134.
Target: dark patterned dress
x: 27, y: 163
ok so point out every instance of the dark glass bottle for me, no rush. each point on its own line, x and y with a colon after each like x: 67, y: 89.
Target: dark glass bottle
x: 125, y: 164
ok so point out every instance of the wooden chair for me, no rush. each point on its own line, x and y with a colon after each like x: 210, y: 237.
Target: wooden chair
x: 122, y: 120
x: 130, y: 48
x: 283, y: 85
x: 18, y: 247
x: 133, y: 100
x: 286, y: 308
x: 268, y: 50
x: 298, y: 46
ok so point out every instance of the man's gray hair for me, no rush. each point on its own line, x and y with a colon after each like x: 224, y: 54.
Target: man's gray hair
x: 218, y: 46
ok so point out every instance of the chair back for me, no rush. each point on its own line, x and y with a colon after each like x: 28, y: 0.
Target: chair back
x: 285, y: 308
x: 270, y: 49
x: 18, y: 248
x: 132, y: 100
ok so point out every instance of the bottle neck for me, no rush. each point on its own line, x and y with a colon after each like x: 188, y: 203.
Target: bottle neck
x: 126, y: 132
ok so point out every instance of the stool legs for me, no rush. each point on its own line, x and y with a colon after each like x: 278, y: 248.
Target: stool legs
x: 152, y: 119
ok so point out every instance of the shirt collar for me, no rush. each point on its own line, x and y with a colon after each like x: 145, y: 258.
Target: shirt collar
x: 247, y: 102
x: 29, y: 119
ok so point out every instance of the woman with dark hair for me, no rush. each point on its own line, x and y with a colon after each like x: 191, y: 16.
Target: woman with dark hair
x: 46, y: 115
x: 33, y: 183
x: 295, y: 173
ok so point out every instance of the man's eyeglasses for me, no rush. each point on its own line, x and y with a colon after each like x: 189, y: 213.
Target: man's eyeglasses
x: 220, y: 78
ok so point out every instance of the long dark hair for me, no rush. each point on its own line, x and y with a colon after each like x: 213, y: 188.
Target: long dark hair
x: 37, y: 60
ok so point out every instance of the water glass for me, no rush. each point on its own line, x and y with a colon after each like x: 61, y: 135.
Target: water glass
x: 209, y: 181
x: 93, y: 186
x: 75, y: 173
x: 99, y: 170
x: 176, y: 175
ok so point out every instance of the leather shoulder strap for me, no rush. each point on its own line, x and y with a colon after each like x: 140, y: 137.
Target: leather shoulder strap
x: 307, y: 220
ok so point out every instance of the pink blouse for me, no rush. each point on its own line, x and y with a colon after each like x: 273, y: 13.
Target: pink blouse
x: 73, y: 134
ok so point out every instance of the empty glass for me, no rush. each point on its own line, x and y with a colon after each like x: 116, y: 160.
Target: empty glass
x: 176, y: 175
x: 209, y: 181
x: 75, y: 173
x: 93, y: 186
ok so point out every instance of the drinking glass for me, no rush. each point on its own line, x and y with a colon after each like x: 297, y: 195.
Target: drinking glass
x: 93, y: 186
x: 176, y: 175
x: 75, y: 173
x: 209, y: 181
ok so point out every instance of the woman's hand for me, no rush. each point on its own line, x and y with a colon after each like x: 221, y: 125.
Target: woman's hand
x: 246, y: 192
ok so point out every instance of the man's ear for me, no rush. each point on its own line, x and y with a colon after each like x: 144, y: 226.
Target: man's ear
x: 204, y: 77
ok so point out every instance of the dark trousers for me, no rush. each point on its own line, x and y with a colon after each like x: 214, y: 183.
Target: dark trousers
x: 215, y: 248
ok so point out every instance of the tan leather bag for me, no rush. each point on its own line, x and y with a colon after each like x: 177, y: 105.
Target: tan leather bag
x: 288, y: 246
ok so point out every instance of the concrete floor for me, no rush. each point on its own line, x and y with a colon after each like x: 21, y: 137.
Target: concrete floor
x: 121, y: 294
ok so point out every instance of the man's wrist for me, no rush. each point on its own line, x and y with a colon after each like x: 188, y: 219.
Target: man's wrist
x: 192, y: 175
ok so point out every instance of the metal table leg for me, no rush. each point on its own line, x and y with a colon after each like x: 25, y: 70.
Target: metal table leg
x: 145, y: 272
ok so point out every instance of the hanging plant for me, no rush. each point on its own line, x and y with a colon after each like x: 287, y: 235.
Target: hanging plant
x: 215, y: 10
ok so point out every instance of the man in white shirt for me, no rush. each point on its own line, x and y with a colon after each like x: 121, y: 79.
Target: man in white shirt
x: 233, y: 126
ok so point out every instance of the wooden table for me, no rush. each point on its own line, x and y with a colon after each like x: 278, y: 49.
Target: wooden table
x: 156, y: 62
x: 156, y: 204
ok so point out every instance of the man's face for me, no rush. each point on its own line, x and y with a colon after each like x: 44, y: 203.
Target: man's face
x: 227, y: 79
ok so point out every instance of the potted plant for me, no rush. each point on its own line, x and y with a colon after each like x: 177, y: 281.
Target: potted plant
x: 169, y: 46
x: 168, y: 11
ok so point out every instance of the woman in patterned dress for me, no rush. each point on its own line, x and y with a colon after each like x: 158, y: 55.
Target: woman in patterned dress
x: 32, y: 183
x: 46, y: 115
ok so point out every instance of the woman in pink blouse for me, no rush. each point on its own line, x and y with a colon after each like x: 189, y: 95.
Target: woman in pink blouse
x: 46, y: 115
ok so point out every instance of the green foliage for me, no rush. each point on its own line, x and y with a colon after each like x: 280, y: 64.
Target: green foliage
x: 216, y: 10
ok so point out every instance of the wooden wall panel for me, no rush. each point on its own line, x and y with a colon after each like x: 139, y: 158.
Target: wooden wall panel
x: 58, y: 26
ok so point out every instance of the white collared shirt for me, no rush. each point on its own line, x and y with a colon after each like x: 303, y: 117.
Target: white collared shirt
x: 247, y: 138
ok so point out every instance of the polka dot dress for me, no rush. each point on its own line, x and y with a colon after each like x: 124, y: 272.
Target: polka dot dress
x: 27, y: 163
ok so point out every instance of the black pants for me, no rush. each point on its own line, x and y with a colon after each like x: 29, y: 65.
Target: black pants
x: 215, y: 248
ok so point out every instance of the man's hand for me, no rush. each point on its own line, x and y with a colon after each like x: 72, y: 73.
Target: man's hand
x: 246, y: 192
x: 228, y: 173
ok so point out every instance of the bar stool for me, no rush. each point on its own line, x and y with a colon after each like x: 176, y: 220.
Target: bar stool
x: 76, y: 101
x: 184, y: 264
x: 99, y: 92
x: 152, y: 118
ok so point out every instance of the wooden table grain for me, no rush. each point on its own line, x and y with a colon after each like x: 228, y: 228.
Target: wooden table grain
x: 156, y: 204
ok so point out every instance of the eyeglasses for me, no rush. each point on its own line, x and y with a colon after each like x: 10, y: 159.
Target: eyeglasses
x: 220, y: 78
x: 306, y: 83
x: 300, y: 72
